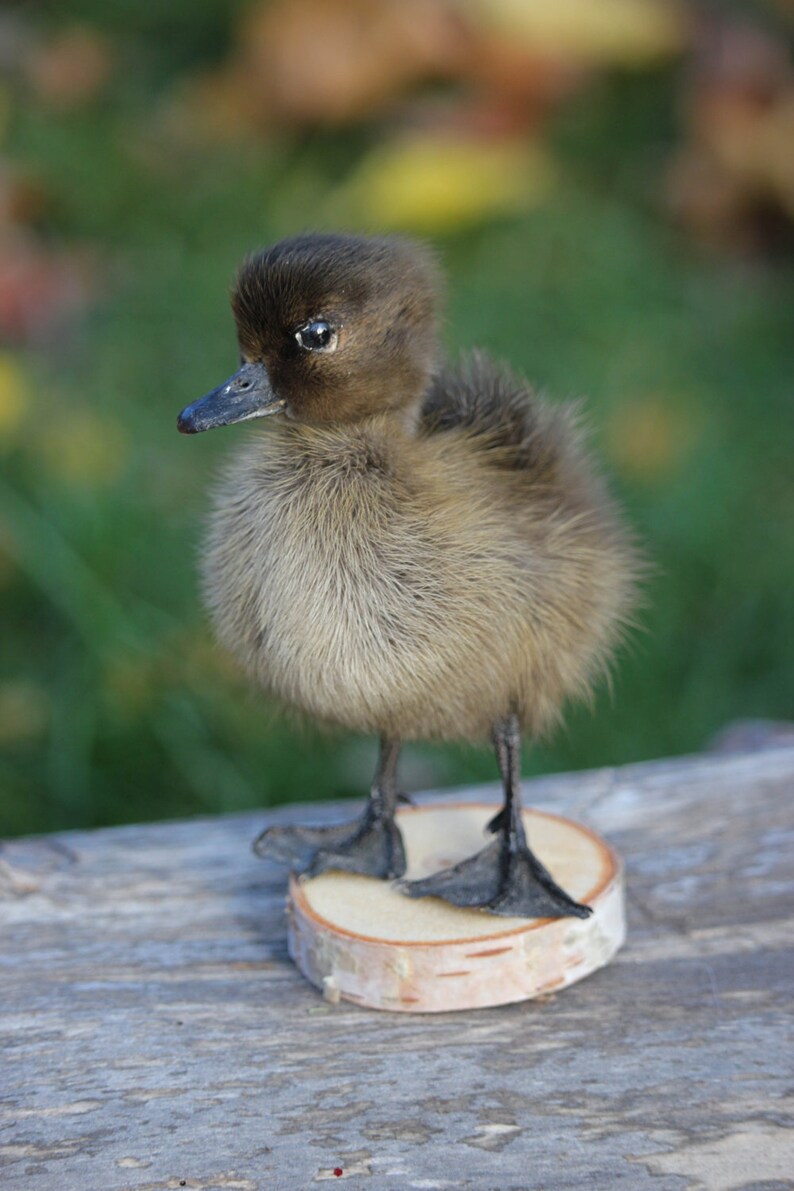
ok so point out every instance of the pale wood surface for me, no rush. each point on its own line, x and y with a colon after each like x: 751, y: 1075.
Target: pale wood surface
x: 154, y: 1030
x: 361, y: 940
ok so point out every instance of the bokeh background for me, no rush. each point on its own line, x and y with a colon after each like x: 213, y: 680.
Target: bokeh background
x: 610, y: 185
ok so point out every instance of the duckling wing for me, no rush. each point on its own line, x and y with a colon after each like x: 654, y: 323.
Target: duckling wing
x: 507, y: 423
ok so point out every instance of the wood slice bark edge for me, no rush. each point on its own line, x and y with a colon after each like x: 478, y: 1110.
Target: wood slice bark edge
x: 363, y: 941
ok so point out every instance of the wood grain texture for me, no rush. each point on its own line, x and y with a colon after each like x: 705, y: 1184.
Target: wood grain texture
x: 156, y: 1035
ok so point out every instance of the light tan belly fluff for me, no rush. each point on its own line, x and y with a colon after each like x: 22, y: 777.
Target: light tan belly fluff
x: 348, y: 600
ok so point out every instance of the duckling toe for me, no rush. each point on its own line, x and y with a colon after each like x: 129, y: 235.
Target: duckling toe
x: 374, y: 848
x: 297, y: 846
x: 527, y: 890
x: 509, y: 882
x: 472, y: 882
x: 371, y: 846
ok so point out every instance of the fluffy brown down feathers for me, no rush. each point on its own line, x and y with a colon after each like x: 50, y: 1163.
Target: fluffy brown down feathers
x: 426, y: 565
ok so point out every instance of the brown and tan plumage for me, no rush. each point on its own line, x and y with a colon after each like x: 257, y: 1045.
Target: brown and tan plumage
x: 415, y: 551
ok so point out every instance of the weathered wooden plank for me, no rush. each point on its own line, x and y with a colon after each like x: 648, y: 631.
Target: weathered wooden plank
x: 155, y: 1035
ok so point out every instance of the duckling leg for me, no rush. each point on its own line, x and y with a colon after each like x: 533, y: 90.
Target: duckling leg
x: 372, y: 845
x: 505, y: 877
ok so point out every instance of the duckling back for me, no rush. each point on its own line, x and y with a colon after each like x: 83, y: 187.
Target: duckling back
x: 578, y: 563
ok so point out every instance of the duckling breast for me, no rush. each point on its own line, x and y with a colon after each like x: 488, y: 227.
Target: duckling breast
x: 340, y: 582
x: 376, y: 584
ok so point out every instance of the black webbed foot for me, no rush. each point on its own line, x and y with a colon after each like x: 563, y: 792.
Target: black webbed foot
x: 505, y: 880
x: 371, y: 846
x: 296, y: 846
x: 505, y: 877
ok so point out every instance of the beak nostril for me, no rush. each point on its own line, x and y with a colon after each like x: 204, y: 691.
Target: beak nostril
x: 248, y: 394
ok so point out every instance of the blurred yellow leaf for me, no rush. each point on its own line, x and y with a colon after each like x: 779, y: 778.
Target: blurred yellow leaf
x: 623, y: 32
x: 778, y: 138
x: 5, y: 111
x: 430, y: 183
x: 131, y: 683
x: 647, y: 436
x: 84, y: 449
x: 195, y: 661
x: 14, y: 397
x: 24, y: 711
x: 8, y: 567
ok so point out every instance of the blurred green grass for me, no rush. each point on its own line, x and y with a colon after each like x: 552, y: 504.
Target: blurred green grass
x: 116, y: 705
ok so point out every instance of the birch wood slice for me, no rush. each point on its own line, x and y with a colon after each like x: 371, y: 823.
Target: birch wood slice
x: 362, y: 940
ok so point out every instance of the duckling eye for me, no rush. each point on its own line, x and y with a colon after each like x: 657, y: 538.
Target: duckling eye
x: 317, y: 335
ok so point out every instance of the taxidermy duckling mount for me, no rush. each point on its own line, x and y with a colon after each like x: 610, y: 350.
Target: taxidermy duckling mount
x: 423, y: 553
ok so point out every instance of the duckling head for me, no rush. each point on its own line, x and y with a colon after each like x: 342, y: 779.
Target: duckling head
x: 332, y: 328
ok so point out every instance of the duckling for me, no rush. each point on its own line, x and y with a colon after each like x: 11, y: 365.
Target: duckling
x: 413, y: 550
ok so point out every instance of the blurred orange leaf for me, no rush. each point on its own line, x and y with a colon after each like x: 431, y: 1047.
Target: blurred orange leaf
x: 755, y: 148
x: 23, y: 197
x: 39, y: 289
x: 329, y: 61
x: 71, y: 69
x: 737, y: 165
x: 215, y: 106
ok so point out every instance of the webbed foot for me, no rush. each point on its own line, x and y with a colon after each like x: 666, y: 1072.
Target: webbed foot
x: 371, y: 846
x: 504, y: 878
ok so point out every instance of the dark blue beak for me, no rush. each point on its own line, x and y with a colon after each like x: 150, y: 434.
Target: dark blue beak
x: 248, y: 394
